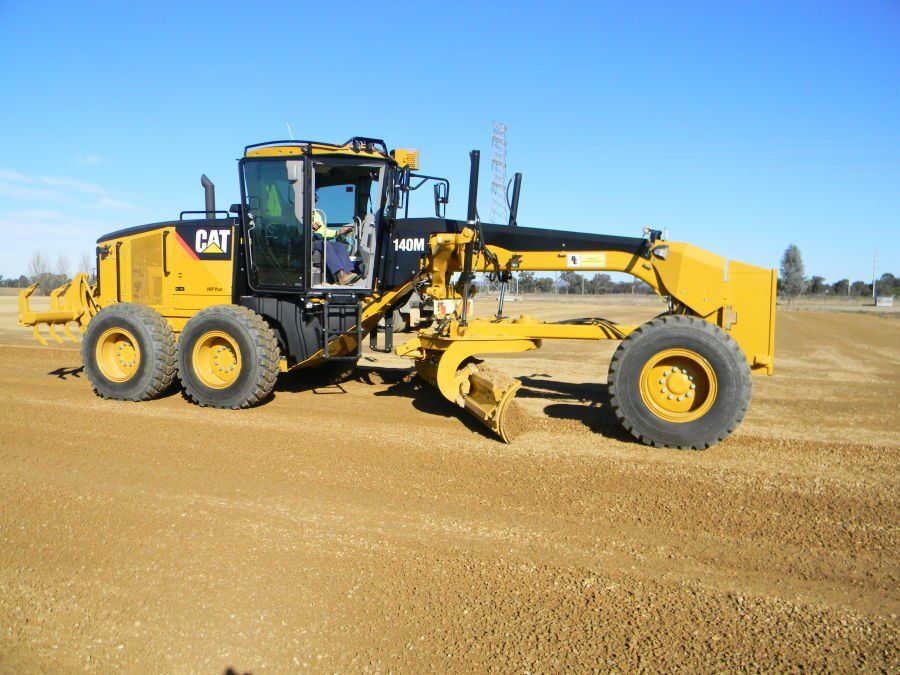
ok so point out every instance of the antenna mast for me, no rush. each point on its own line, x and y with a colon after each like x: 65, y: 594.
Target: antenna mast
x: 499, y: 206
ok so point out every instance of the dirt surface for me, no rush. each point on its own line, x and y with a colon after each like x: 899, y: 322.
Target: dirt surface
x: 369, y: 525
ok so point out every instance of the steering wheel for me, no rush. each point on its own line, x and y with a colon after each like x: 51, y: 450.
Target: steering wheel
x: 352, y: 238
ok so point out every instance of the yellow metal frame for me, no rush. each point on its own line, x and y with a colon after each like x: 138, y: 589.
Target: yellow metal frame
x: 73, y: 302
x: 737, y: 297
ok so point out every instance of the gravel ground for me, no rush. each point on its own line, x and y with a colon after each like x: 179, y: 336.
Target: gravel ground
x: 369, y: 525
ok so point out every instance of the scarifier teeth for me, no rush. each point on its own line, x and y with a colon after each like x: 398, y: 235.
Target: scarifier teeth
x: 53, y: 333
x: 68, y: 331
x: 38, y: 336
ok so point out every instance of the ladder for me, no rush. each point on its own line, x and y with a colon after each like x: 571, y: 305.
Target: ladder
x: 340, y: 308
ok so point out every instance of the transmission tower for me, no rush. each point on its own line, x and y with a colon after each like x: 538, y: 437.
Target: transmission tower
x: 499, y: 207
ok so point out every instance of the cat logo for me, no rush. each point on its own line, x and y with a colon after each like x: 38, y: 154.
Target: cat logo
x: 204, y: 243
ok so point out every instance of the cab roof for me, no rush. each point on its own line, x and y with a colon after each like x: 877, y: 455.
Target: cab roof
x: 357, y: 146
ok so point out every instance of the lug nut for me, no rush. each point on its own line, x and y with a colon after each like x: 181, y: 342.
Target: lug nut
x: 689, y: 394
x: 693, y: 386
x: 675, y: 369
x: 671, y: 396
x: 679, y: 398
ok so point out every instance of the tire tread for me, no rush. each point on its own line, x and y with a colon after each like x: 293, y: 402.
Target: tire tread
x: 661, y: 323
x: 266, y: 345
x: 164, y: 350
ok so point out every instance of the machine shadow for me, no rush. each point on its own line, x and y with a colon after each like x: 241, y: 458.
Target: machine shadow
x: 396, y: 382
x: 587, y: 404
x: 429, y: 400
x: 67, y: 372
x: 315, y: 379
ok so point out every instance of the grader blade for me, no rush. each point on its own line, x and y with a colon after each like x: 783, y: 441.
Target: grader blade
x: 487, y: 394
x: 490, y: 399
x: 72, y: 302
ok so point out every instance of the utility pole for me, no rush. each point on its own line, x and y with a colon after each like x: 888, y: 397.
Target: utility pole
x: 499, y: 207
x: 874, y: 261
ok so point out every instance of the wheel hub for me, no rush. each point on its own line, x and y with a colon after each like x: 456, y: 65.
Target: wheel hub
x: 216, y: 359
x: 118, y: 354
x: 678, y: 385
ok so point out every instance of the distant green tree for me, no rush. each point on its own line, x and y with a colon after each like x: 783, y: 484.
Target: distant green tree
x: 600, y: 283
x: 860, y: 288
x: 572, y: 280
x: 841, y: 287
x: 792, y: 279
x: 887, y: 285
x: 817, y: 285
x: 544, y: 285
x: 527, y: 282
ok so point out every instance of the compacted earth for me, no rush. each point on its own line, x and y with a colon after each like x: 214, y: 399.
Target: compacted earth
x: 371, y: 525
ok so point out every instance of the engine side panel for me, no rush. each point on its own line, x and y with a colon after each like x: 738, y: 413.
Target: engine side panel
x: 176, y: 267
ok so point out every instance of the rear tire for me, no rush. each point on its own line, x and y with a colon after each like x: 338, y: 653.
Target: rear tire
x: 679, y: 382
x: 227, y: 357
x: 129, y: 352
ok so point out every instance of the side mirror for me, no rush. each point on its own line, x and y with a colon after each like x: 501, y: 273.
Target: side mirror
x: 441, y: 199
x: 294, y: 171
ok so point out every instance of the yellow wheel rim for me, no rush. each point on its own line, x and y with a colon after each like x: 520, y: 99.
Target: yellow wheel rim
x: 118, y: 355
x: 678, y: 385
x: 217, y: 359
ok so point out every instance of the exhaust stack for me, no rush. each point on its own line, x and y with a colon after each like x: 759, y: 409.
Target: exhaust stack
x: 514, y: 205
x: 210, y: 193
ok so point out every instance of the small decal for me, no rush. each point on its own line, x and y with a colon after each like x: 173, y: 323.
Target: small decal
x: 593, y: 260
x: 409, y: 244
x: 586, y: 260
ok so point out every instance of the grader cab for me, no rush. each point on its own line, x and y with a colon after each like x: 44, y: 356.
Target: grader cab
x: 320, y: 250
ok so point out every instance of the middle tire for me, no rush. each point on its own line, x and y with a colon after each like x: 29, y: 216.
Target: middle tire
x: 227, y: 357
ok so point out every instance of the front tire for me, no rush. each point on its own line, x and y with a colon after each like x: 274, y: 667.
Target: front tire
x: 227, y: 357
x: 129, y: 352
x: 679, y: 382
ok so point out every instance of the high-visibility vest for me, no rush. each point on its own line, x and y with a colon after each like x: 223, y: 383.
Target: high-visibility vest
x: 273, y: 201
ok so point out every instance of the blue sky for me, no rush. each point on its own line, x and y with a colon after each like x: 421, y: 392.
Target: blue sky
x: 740, y: 127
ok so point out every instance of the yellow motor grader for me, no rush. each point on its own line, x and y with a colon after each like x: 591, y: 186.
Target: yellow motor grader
x: 320, y: 251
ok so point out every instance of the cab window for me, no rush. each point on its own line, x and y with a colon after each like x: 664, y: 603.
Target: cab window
x: 274, y: 200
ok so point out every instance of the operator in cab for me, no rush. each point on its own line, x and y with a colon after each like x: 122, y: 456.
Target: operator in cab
x: 337, y: 260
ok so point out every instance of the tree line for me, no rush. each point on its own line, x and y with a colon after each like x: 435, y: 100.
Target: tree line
x: 48, y: 275
x: 574, y: 283
x: 793, y: 281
